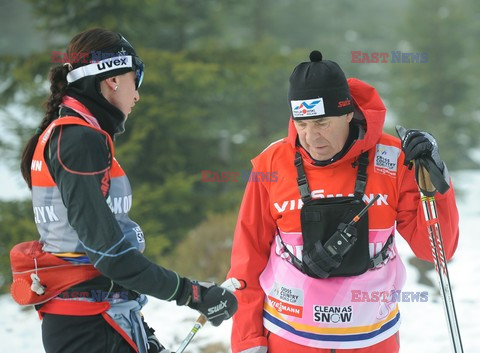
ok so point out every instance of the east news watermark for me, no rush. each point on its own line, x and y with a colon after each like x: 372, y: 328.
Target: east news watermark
x: 392, y: 296
x: 244, y: 176
x: 59, y: 57
x: 392, y: 57
x: 96, y: 295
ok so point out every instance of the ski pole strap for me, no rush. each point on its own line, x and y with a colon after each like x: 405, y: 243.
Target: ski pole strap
x: 430, y: 178
x: 382, y: 255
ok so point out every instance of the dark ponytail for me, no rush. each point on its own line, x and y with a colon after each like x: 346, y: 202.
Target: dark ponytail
x: 88, y: 41
x: 58, y: 87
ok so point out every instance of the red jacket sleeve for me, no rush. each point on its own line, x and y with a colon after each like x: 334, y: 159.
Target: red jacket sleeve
x: 254, y: 234
x: 411, y: 223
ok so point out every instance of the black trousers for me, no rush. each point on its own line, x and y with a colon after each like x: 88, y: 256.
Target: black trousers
x: 81, y: 334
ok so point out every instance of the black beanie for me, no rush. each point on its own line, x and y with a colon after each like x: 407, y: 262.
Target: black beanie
x: 317, y: 89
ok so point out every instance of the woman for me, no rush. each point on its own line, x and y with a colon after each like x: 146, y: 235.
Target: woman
x: 81, y: 198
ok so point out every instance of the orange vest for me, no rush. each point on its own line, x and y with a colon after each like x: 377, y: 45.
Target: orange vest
x: 50, y: 213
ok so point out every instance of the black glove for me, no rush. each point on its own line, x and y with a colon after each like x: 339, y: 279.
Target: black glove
x: 213, y: 301
x: 418, y: 144
x: 421, y: 147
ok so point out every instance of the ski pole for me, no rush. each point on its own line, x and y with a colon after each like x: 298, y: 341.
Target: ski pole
x: 232, y: 284
x: 439, y: 258
x: 198, y: 325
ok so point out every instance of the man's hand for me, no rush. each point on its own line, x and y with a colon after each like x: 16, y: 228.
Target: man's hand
x: 421, y: 147
x: 419, y: 144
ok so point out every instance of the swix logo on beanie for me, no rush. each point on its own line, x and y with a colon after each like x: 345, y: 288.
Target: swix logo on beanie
x: 344, y: 103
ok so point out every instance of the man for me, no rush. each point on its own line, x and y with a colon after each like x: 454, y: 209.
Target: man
x: 318, y: 278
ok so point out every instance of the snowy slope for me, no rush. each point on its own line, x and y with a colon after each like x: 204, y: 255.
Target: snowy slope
x: 423, y: 329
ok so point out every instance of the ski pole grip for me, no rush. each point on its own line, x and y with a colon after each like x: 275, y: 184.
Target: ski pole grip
x: 424, y: 182
x: 202, y: 319
x: 424, y: 178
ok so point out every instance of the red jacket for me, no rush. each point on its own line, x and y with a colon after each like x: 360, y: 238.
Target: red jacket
x: 275, y: 203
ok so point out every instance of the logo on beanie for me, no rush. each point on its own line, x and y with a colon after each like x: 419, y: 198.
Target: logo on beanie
x: 344, y: 103
x: 307, y: 108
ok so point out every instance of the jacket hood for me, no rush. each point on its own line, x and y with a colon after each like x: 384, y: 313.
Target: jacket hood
x: 369, y: 112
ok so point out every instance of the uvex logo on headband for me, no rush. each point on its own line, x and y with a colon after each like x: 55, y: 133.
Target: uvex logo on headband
x: 115, y: 63
x: 307, y: 108
x: 112, y: 63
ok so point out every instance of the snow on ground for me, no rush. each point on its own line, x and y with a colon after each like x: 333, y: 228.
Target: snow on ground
x: 423, y: 324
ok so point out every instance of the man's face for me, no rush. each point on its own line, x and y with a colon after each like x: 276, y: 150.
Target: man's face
x: 323, y: 138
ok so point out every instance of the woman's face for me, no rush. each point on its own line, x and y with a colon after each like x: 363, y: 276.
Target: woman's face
x: 125, y: 96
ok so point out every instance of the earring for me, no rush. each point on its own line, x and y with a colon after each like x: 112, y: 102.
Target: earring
x: 115, y: 88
